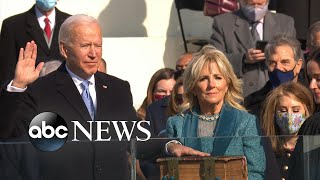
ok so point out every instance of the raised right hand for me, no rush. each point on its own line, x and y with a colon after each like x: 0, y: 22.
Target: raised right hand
x: 26, y: 72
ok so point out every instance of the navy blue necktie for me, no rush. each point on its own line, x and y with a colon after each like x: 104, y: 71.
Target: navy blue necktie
x: 87, y: 98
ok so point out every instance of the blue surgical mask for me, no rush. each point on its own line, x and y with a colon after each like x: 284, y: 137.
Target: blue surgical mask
x: 46, y: 5
x: 289, y: 123
x: 278, y: 77
x: 253, y: 13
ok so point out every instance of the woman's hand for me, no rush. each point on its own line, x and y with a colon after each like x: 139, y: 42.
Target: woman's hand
x: 180, y: 150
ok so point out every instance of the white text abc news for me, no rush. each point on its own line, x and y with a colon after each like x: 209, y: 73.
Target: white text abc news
x: 61, y: 131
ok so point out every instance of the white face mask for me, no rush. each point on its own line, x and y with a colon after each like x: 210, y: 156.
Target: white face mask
x: 253, y: 13
x: 46, y: 5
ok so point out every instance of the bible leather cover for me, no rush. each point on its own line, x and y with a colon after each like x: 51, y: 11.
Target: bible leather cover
x: 203, y: 168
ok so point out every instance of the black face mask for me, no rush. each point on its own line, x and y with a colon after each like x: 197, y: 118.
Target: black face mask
x: 158, y: 97
x: 278, y: 77
x: 179, y: 99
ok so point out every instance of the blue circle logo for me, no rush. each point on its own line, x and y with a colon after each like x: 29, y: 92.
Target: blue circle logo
x: 48, y: 131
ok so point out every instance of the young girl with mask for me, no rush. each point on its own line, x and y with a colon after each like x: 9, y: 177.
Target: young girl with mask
x: 283, y: 113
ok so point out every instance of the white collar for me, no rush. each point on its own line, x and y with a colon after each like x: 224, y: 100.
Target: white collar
x: 41, y: 17
x: 78, y: 80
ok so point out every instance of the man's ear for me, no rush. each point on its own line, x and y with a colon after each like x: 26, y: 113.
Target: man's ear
x: 299, y: 65
x: 63, y: 50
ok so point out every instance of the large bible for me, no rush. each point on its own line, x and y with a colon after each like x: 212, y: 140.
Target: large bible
x: 203, y: 168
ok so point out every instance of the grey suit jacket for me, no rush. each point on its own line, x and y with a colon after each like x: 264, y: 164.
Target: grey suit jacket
x: 231, y: 34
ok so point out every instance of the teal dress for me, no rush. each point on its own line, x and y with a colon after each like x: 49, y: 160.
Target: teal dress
x: 236, y: 133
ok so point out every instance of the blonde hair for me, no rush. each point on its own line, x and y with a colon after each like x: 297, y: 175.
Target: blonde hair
x: 293, y: 90
x: 207, y: 56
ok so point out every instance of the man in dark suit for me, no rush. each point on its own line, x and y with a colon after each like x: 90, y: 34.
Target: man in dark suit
x: 236, y: 34
x: 283, y: 58
x: 80, y: 42
x: 29, y: 26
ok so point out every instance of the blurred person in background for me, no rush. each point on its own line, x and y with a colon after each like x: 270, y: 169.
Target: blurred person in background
x: 49, y: 67
x: 183, y: 61
x: 313, y: 40
x: 313, y: 74
x: 40, y: 24
x: 103, y: 66
x: 160, y: 86
x: 284, y: 111
x: 302, y: 158
x: 283, y: 60
x: 176, y: 98
x: 157, y: 112
x: 237, y: 33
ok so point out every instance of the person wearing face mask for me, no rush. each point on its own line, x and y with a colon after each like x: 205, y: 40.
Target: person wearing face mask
x: 41, y: 24
x: 283, y: 113
x: 160, y: 86
x: 157, y: 114
x: 309, y: 128
x: 283, y: 61
x: 236, y: 34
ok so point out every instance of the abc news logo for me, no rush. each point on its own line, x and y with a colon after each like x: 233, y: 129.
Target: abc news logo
x: 48, y: 131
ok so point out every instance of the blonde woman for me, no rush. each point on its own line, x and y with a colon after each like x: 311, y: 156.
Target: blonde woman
x: 214, y: 94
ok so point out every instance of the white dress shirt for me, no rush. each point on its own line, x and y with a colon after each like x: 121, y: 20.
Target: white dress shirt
x: 52, y: 21
x: 92, y: 89
x: 41, y: 17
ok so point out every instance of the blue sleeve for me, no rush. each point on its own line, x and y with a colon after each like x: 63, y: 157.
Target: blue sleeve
x: 170, y: 128
x: 253, y: 150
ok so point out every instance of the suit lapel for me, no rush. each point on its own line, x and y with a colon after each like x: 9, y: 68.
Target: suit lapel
x: 101, y: 91
x: 190, y: 126
x: 242, y: 30
x: 269, y: 27
x: 225, y: 128
x: 190, y: 130
x: 35, y: 31
x: 66, y: 87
